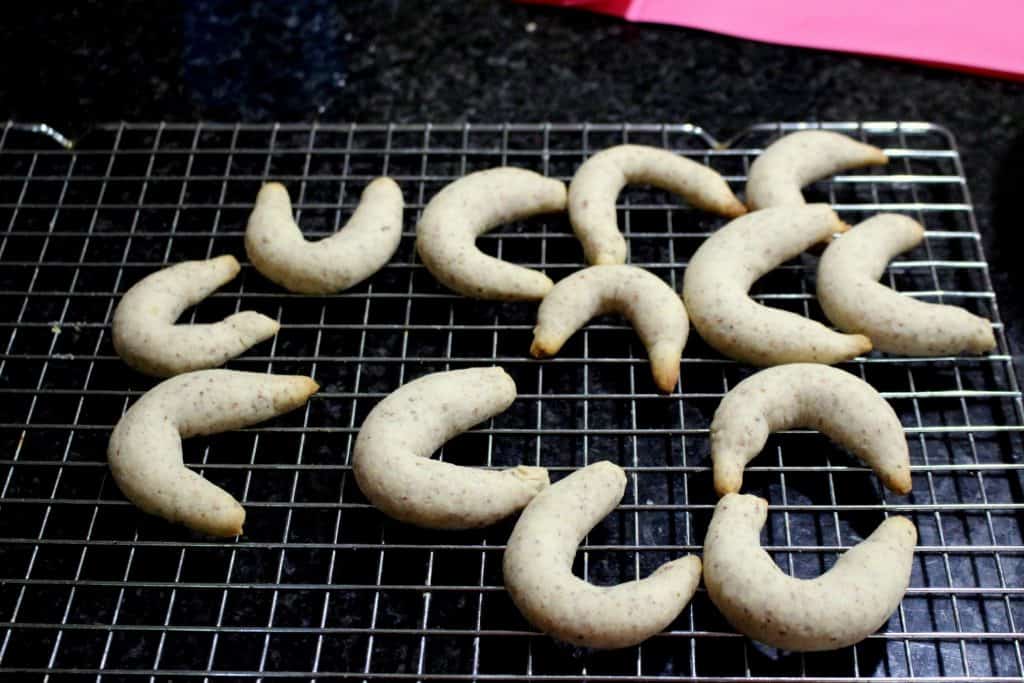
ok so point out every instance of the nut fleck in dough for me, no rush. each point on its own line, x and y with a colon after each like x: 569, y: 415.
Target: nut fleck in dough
x: 725, y: 266
x: 841, y: 607
x: 855, y: 301
x: 392, y: 461
x: 844, y: 407
x: 538, y: 569
x: 147, y: 339
x: 599, y: 180
x: 145, y: 449
x: 471, y: 206
x: 655, y: 310
x: 277, y: 248
x: 797, y: 159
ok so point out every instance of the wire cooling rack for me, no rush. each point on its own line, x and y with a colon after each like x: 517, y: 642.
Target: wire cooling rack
x: 321, y: 585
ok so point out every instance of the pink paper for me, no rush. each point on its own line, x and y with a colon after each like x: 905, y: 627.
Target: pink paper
x: 976, y: 35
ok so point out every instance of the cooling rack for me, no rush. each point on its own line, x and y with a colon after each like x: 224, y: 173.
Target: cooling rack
x: 321, y: 585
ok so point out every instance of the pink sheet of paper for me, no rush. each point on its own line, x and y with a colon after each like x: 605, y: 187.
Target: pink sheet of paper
x: 985, y: 36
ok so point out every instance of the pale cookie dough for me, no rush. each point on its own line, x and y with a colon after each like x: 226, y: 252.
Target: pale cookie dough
x: 599, y: 180
x: 797, y: 159
x: 145, y: 449
x: 146, y: 338
x: 276, y: 247
x: 471, y: 206
x: 392, y: 464
x: 721, y: 272
x: 841, y: 607
x: 538, y: 569
x: 855, y: 301
x: 844, y: 407
x: 655, y: 310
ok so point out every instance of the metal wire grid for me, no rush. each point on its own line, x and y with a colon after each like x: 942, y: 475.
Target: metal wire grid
x: 321, y: 585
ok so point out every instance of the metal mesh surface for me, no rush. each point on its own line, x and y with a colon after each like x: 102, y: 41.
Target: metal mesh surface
x: 323, y: 585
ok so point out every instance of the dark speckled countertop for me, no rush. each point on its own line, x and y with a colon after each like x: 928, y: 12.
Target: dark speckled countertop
x: 455, y: 61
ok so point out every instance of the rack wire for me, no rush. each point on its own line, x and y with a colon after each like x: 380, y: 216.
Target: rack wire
x: 323, y: 586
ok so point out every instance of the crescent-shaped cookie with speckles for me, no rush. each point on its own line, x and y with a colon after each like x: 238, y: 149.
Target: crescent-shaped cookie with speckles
x: 146, y: 338
x: 471, y: 206
x: 855, y: 301
x: 276, y: 247
x: 655, y: 310
x: 538, y: 569
x: 392, y: 464
x: 800, y: 158
x: 599, y: 180
x: 721, y: 272
x: 844, y: 407
x: 145, y: 453
x: 841, y: 607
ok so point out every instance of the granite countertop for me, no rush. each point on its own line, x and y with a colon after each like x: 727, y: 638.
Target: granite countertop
x: 457, y: 61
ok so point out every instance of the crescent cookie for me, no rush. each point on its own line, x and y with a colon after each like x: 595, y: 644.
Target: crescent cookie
x: 146, y: 338
x: 539, y: 578
x: 721, y: 272
x: 392, y: 464
x: 841, y: 607
x: 844, y: 407
x: 145, y: 449
x: 276, y: 247
x: 855, y: 301
x: 471, y: 206
x: 654, y: 309
x: 599, y: 180
x: 777, y: 175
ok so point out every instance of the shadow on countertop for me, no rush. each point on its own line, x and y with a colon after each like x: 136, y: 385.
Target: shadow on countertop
x: 1008, y: 238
